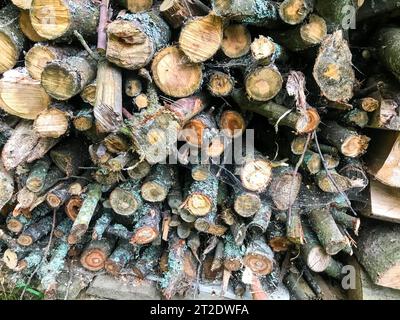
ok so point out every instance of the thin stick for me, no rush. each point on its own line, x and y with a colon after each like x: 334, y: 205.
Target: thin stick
x: 86, y: 46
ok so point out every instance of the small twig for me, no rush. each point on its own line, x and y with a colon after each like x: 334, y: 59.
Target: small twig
x: 95, y: 56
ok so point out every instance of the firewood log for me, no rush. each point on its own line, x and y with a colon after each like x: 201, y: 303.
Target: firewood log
x: 258, y: 256
x: 261, y: 219
x: 181, y: 269
x: 83, y: 119
x: 62, y: 79
x: 137, y: 6
x: 233, y: 254
x: 53, y: 122
x: 86, y: 212
x: 335, y: 76
x: 254, y: 12
x: 232, y: 123
x: 336, y: 12
x: 133, y: 39
x: 236, y: 41
x: 21, y: 95
x: 12, y: 40
x: 88, y: 93
x: 327, y: 231
x: 25, y: 24
x: 302, y: 123
x: 35, y: 231
x: 94, y: 256
x: 65, y: 17
x: 201, y: 37
x: 220, y: 84
x: 119, y: 258
x: 158, y: 183
x: 295, y: 11
x: 147, y: 229
x: 173, y: 75
x: 126, y: 198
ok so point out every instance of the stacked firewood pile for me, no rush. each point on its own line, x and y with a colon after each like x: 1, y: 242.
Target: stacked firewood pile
x: 105, y: 104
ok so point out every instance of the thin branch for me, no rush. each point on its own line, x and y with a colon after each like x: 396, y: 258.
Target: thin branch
x: 94, y: 55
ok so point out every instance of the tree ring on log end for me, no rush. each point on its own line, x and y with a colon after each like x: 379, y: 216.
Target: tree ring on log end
x: 317, y: 259
x: 258, y: 263
x: 123, y: 202
x: 308, y: 121
x: 10, y: 258
x: 256, y: 175
x: 232, y: 124
x: 73, y: 206
x: 247, y: 204
x: 14, y: 225
x: 354, y: 146
x: 232, y: 264
x: 59, y: 82
x: 236, y: 41
x: 50, y: 18
x: 36, y: 59
x: 25, y: 240
x: 198, y: 204
x: 93, y: 260
x: 263, y: 83
x: 144, y: 235
x: 9, y: 53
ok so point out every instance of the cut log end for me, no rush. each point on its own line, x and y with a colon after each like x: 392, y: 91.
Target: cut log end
x: 317, y: 259
x: 262, y: 49
x: 232, y: 124
x: 53, y: 200
x: 36, y: 59
x: 293, y: 11
x: 174, y: 75
x: 72, y: 207
x: 112, y: 267
x: 14, y: 225
x: 232, y: 264
x: 236, y: 41
x: 93, y: 259
x: 144, y: 235
x: 201, y: 38
x: 279, y: 244
x: 308, y: 121
x: 355, y: 145
x: 247, y: 204
x: 10, y: 258
x: 9, y: 52
x: 59, y: 82
x: 256, y: 175
x: 258, y: 263
x: 369, y: 104
x: 27, y: 28
x: 153, y: 192
x: 25, y: 240
x: 220, y: 84
x: 198, y: 204
x: 315, y: 30
x: 123, y: 202
x: 263, y: 83
x: 89, y: 94
x: 60, y: 18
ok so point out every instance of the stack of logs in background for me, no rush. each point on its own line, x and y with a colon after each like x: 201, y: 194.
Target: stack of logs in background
x: 90, y: 90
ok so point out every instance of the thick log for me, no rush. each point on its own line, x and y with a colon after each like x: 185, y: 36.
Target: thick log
x: 70, y: 156
x: 263, y: 83
x: 333, y: 182
x: 336, y: 13
x: 177, y: 12
x: 370, y: 9
x: 126, y: 199
x: 255, y: 172
x: 22, y: 96
x: 65, y: 78
x: 202, y: 197
x: 133, y: 39
x: 147, y: 261
x: 327, y: 230
x: 40, y: 54
x: 377, y: 251
x: 147, y: 229
x: 295, y: 11
x: 246, y: 204
x: 108, y: 106
x: 301, y: 122
x: 236, y: 41
x: 232, y: 123
x: 25, y: 24
x: 53, y: 122
x: 158, y: 183
x: 121, y: 255
x: 349, y: 142
x: 259, y: 257
x: 174, y: 75
x: 201, y: 37
x: 254, y: 12
x: 333, y: 69
x: 57, y: 20
x: 309, y: 34
x: 86, y: 212
x: 94, y: 256
x: 12, y: 40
